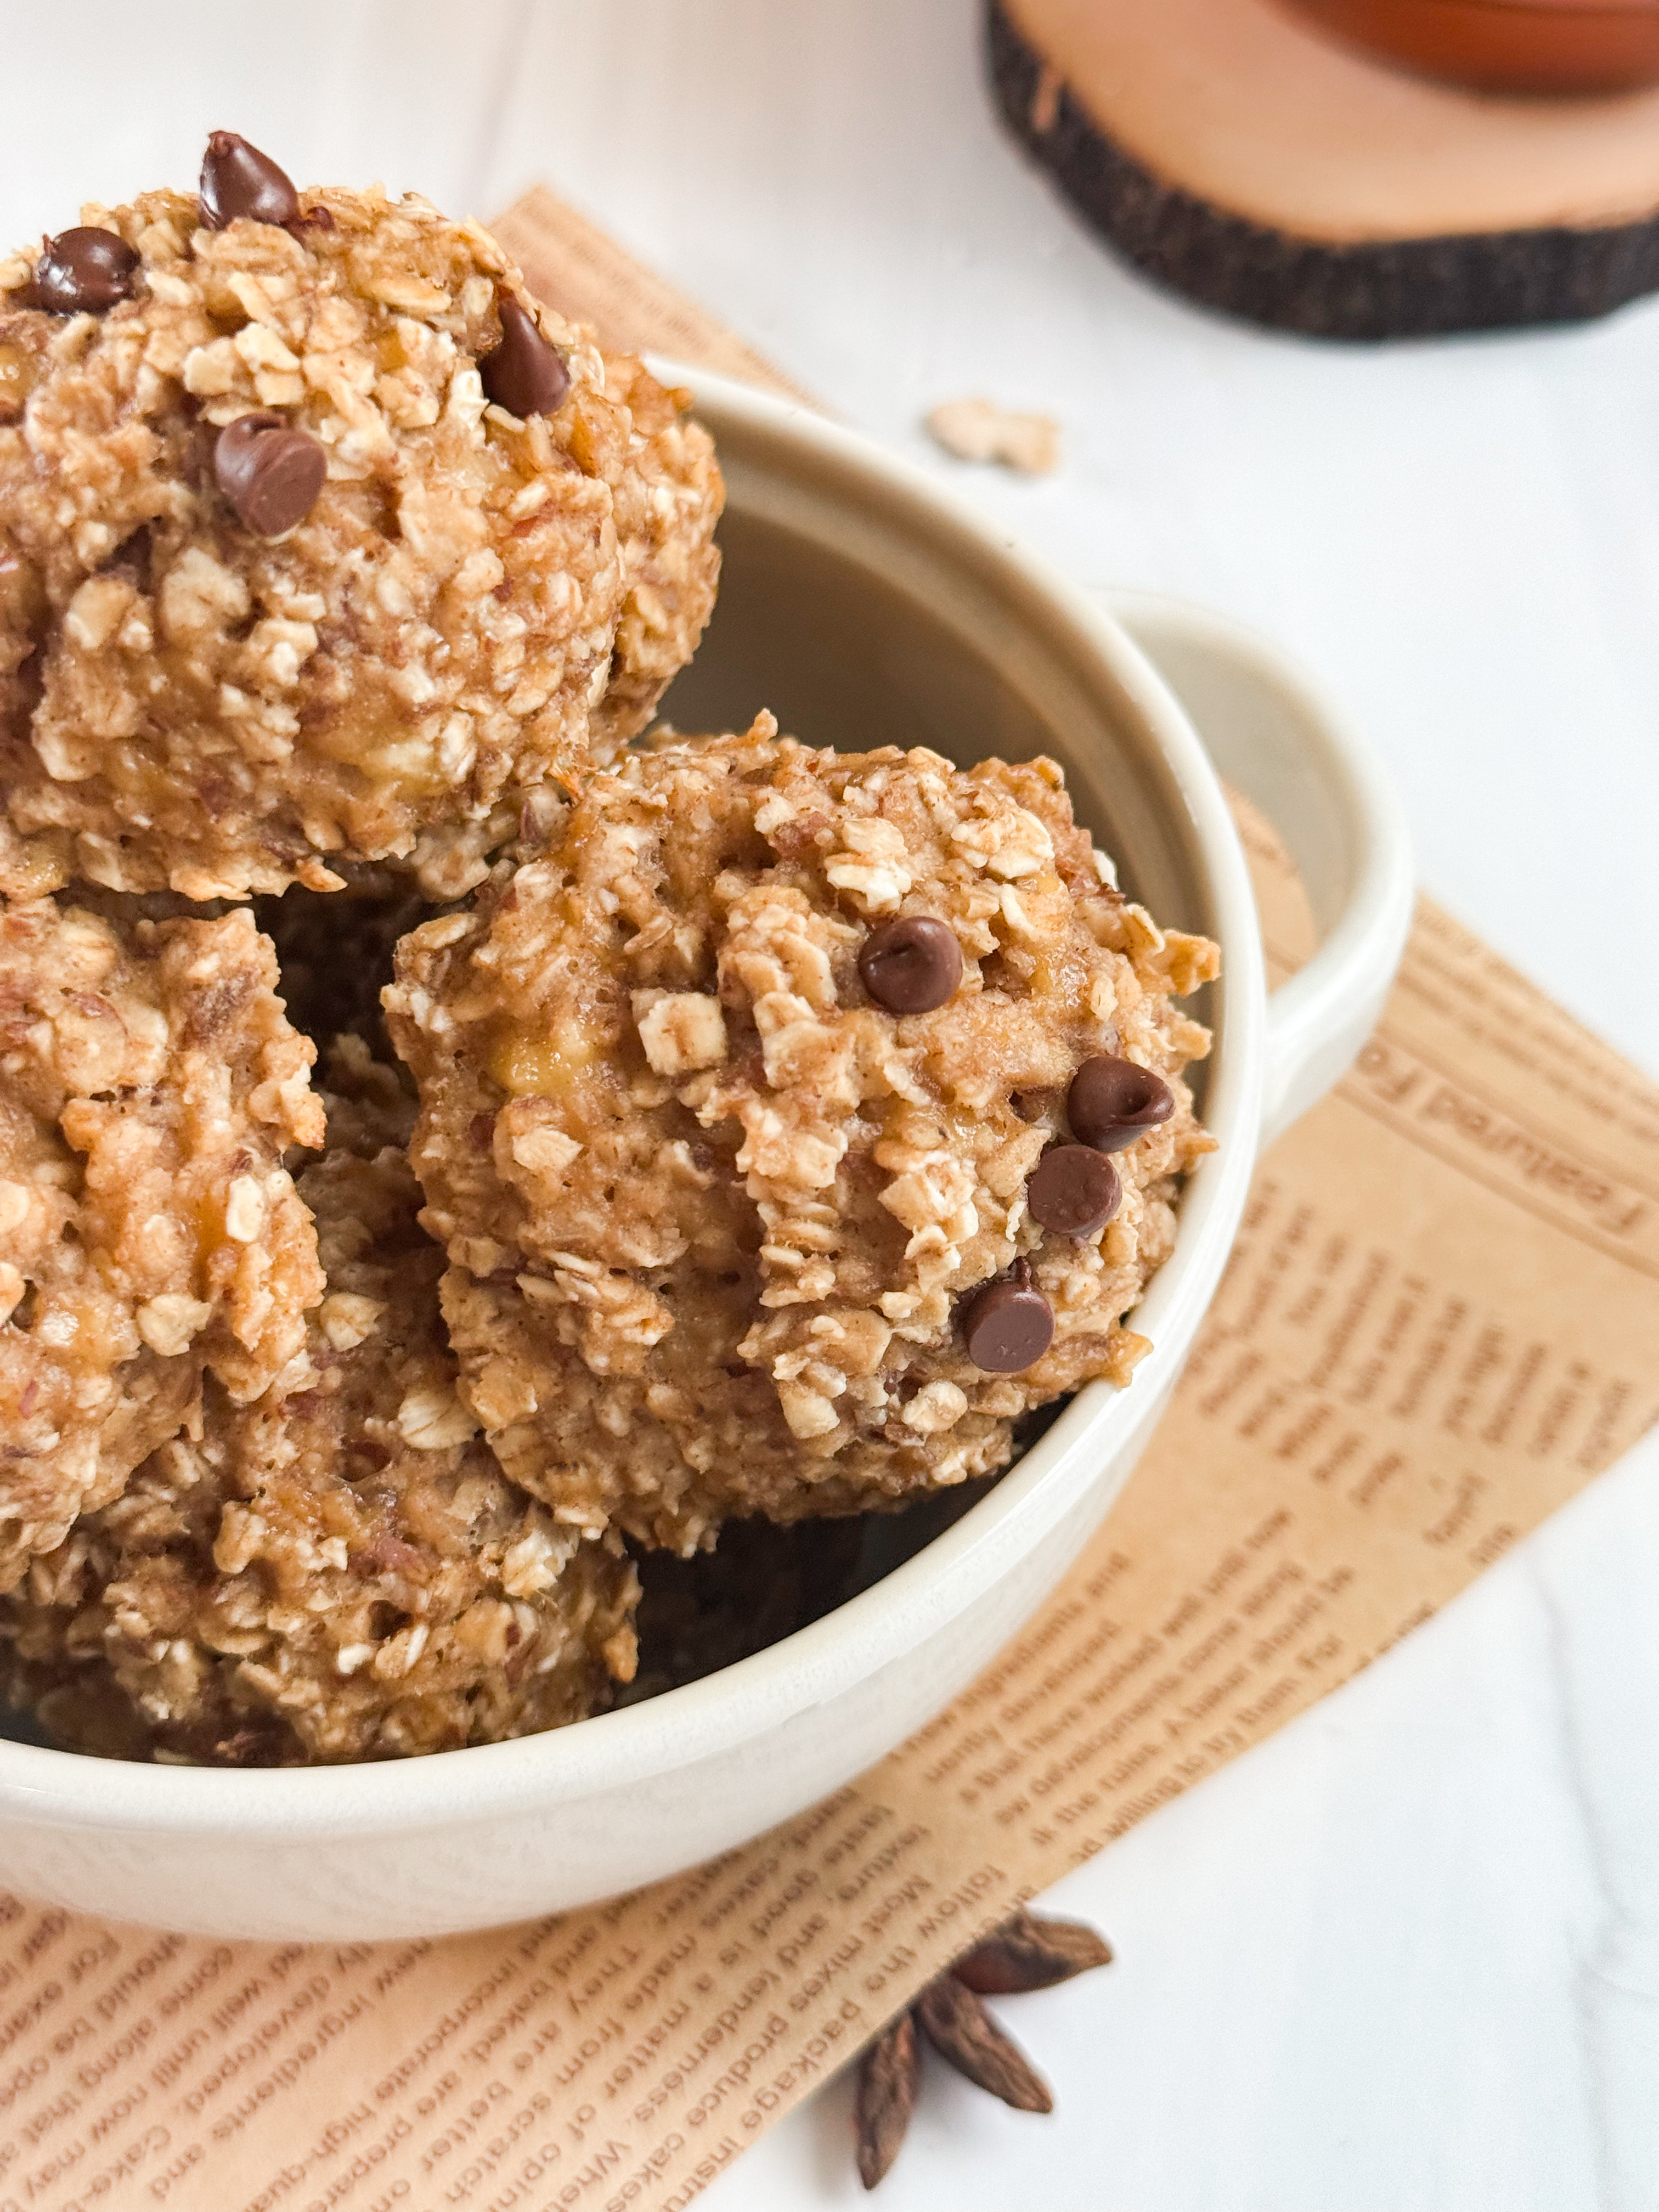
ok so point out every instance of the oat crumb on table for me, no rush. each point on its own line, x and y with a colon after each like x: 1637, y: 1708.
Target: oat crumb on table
x: 980, y: 430
x: 740, y: 1107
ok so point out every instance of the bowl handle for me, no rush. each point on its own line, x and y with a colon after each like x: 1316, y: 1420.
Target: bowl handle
x: 1269, y: 732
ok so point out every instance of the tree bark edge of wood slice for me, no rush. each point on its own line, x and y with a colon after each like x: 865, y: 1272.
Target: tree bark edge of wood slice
x: 1418, y: 284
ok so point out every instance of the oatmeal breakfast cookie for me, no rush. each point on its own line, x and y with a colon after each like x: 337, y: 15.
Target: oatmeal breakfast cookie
x: 794, y: 1122
x: 315, y: 536
x: 149, y: 1085
x: 338, y: 1570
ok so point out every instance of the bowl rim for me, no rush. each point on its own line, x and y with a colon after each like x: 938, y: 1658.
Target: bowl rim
x: 684, y: 1727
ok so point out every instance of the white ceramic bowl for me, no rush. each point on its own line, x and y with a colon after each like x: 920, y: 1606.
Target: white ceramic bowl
x: 865, y: 607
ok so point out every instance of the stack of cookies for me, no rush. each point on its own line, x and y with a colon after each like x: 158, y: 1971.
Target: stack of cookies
x: 452, y: 1137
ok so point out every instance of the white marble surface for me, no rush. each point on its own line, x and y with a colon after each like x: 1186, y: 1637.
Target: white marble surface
x: 1405, y: 1955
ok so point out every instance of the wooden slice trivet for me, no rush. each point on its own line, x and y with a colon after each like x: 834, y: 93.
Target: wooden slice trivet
x: 1250, y: 160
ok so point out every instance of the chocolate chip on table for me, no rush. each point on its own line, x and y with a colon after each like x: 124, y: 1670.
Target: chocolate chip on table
x: 525, y: 374
x: 1009, y: 1325
x: 1072, y: 1190
x: 84, y: 272
x: 237, y: 179
x: 269, y: 471
x: 1112, y: 1102
x: 911, y: 965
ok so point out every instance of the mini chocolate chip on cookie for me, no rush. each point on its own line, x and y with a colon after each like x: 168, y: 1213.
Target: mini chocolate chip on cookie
x: 525, y: 374
x: 84, y: 272
x: 1009, y: 1325
x: 1112, y: 1102
x: 237, y: 179
x: 911, y: 965
x: 1073, y: 1190
x: 269, y: 472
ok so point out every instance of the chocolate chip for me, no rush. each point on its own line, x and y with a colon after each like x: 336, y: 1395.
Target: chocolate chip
x: 1009, y: 1325
x: 1112, y: 1102
x: 525, y: 374
x: 911, y: 965
x: 1073, y: 1190
x: 84, y: 272
x: 270, y: 473
x: 237, y: 179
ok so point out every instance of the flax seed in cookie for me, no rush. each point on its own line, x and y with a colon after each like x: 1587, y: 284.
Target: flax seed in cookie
x: 338, y: 1570
x: 149, y: 1087
x: 315, y: 537
x: 745, y: 1121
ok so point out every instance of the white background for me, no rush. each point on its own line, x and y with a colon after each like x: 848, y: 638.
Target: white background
x: 1407, y: 1954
